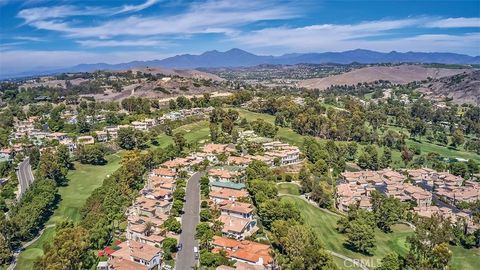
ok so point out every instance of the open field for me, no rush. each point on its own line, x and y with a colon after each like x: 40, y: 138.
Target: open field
x: 288, y: 188
x: 194, y: 132
x: 82, y: 181
x: 324, y: 224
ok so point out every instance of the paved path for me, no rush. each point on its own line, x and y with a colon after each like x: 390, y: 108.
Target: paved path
x: 352, y: 261
x: 25, y: 245
x: 25, y: 176
x: 186, y: 258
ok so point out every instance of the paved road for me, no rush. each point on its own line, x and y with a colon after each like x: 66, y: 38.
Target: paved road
x: 186, y: 258
x: 25, y: 176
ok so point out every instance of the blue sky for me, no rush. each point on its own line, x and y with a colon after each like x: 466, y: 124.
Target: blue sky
x: 43, y: 33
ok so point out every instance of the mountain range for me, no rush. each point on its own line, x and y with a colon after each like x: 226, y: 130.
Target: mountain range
x: 238, y: 58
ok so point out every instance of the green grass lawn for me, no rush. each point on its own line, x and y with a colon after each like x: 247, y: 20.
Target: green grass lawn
x: 82, y: 181
x: 465, y: 259
x: 344, y: 265
x: 324, y: 224
x: 28, y: 256
x: 194, y: 132
x: 288, y: 188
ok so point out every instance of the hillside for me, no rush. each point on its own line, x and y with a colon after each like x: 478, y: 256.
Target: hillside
x: 186, y: 73
x: 396, y: 74
x: 145, y: 82
x: 241, y: 58
x: 461, y: 88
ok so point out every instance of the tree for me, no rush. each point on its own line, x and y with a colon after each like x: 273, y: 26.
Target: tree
x: 320, y: 168
x: 64, y: 156
x: 213, y: 260
x: 83, y: 126
x: 360, y: 237
x: 205, y: 215
x: 169, y: 246
x: 442, y: 138
x: 51, y: 167
x: 91, y: 154
x: 386, y: 158
x: 305, y: 178
x: 391, y: 261
x: 358, y: 227
x: 428, y: 245
x: 418, y: 128
x: 67, y: 251
x: 299, y: 247
x: 183, y: 102
x: 180, y: 141
x: 5, y: 251
x: 457, y: 138
x: 322, y: 194
x: 273, y: 209
x: 369, y: 158
x: 173, y: 225
x: 407, y: 155
x: 214, y: 132
x: 387, y: 210
x: 262, y: 190
x: 126, y: 138
x: 258, y: 169
x: 264, y: 128
x: 204, y: 234
x: 352, y: 150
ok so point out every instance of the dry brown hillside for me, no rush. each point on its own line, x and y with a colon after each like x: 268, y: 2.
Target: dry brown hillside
x: 397, y: 74
x: 187, y: 73
x: 461, y: 88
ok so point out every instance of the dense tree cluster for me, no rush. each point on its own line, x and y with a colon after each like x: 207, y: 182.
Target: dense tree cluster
x: 359, y: 229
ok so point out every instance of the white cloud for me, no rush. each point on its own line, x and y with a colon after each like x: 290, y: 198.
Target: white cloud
x: 122, y: 43
x: 134, y: 8
x: 29, y: 38
x: 39, y: 14
x: 207, y: 17
x: 455, y: 23
x: 374, y: 35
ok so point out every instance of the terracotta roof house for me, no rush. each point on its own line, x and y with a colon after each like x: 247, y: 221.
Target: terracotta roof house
x: 142, y: 254
x: 223, y: 175
x: 165, y: 173
x: 247, y: 252
x: 226, y: 194
x: 236, y: 227
x: 237, y: 209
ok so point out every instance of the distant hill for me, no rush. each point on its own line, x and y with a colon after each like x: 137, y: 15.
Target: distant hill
x: 400, y: 74
x: 239, y: 58
x: 461, y: 88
